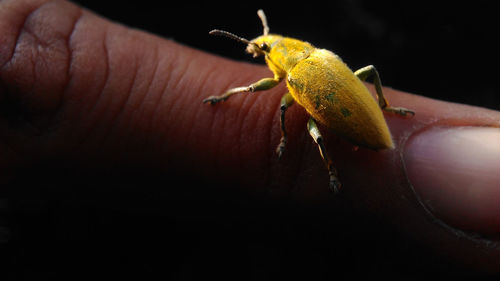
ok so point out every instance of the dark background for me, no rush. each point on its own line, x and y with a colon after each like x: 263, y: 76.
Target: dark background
x: 62, y: 228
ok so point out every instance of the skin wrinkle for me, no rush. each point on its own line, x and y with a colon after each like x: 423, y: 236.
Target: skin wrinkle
x: 70, y: 58
x: 163, y: 104
x: 55, y: 118
x: 11, y: 62
x: 12, y: 141
x: 175, y: 86
x: 87, y: 133
x: 34, y: 56
x: 126, y: 103
x: 188, y: 75
x: 217, y: 148
x: 115, y: 119
x: 105, y: 103
x: 150, y: 83
x: 247, y: 97
x: 177, y: 111
x: 21, y: 28
x: 151, y: 75
x: 41, y: 50
x: 207, y: 77
x: 161, y: 95
x: 248, y: 102
x: 41, y: 61
x: 216, y: 137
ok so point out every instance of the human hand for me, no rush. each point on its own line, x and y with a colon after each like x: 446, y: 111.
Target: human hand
x: 80, y: 94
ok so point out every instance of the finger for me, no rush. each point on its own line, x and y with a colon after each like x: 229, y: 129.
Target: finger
x: 91, y: 83
x: 451, y: 159
x: 445, y: 165
x: 90, y: 89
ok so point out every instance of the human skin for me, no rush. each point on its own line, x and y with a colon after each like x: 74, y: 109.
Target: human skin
x: 92, y: 93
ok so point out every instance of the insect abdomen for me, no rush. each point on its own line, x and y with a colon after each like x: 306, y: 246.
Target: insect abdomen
x: 334, y: 96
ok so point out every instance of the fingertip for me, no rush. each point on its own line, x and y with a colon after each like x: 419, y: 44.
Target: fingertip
x: 455, y: 171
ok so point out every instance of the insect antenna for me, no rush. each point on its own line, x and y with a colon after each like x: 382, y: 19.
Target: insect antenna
x: 263, y: 18
x: 229, y: 35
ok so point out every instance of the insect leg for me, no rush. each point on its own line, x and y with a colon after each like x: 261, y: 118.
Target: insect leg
x: 318, y: 138
x: 263, y: 84
x: 286, y: 101
x: 370, y: 70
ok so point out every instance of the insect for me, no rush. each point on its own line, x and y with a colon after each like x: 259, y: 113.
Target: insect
x: 326, y: 87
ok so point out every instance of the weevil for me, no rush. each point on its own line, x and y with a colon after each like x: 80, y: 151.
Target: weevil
x: 330, y: 92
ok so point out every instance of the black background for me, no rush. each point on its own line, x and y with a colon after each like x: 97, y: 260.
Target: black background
x: 57, y: 228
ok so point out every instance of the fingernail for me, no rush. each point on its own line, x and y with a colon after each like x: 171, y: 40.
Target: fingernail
x: 455, y: 171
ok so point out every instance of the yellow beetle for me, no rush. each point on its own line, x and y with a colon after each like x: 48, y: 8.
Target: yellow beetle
x: 323, y: 84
